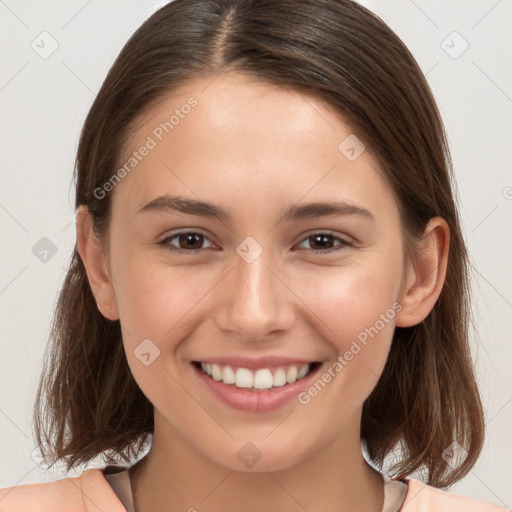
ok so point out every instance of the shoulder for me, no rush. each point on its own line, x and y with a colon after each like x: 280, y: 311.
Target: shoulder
x: 85, y: 493
x: 425, y: 498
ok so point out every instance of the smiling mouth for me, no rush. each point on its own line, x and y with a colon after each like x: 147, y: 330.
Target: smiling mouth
x: 263, y: 379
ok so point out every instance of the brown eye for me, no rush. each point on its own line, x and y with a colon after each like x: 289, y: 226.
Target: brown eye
x: 326, y: 242
x: 187, y: 241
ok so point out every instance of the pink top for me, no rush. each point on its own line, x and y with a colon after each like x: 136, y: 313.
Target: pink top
x: 93, y: 491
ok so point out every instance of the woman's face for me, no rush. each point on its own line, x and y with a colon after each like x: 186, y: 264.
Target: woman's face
x: 255, y: 287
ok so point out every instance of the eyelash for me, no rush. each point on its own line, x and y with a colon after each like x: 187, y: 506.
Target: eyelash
x: 343, y: 242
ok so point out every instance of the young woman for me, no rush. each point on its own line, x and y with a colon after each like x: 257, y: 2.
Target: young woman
x: 269, y: 276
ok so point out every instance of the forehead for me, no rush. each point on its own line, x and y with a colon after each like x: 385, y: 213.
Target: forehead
x: 236, y: 136
x: 232, y: 101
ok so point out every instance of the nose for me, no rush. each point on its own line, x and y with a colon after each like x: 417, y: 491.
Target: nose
x: 254, y: 301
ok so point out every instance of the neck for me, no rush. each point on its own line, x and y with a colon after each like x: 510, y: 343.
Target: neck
x: 176, y: 476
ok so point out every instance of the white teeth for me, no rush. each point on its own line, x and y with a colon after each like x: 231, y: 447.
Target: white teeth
x: 279, y: 377
x: 291, y: 376
x: 303, y: 370
x: 228, y: 375
x: 261, y: 379
x: 243, y: 378
x: 216, y: 372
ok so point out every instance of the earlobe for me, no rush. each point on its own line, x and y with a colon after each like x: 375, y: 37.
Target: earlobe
x: 425, y: 278
x: 92, y: 253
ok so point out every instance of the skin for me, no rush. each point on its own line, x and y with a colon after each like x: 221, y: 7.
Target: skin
x: 253, y: 149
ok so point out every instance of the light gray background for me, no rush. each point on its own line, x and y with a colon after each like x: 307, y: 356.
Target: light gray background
x: 44, y: 102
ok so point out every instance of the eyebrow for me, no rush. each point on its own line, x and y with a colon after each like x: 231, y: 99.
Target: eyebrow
x: 295, y: 212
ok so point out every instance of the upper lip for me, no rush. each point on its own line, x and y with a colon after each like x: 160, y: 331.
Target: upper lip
x: 252, y: 363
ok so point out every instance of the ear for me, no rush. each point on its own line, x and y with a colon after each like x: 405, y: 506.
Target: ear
x: 425, y: 277
x: 93, y: 256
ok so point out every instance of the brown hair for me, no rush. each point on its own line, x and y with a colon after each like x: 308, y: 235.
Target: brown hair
x: 88, y: 403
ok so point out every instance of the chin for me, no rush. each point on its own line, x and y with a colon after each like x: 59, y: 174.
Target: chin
x: 259, y: 456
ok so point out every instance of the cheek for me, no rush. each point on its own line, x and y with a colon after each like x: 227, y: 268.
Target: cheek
x: 157, y: 307
x: 348, y: 300
x: 355, y: 309
x: 360, y: 315
x: 158, y: 302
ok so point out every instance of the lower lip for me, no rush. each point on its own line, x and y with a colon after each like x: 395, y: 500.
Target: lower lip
x: 255, y: 401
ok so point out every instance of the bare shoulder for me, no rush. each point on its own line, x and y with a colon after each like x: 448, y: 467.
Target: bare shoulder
x: 425, y: 498
x: 84, y: 493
